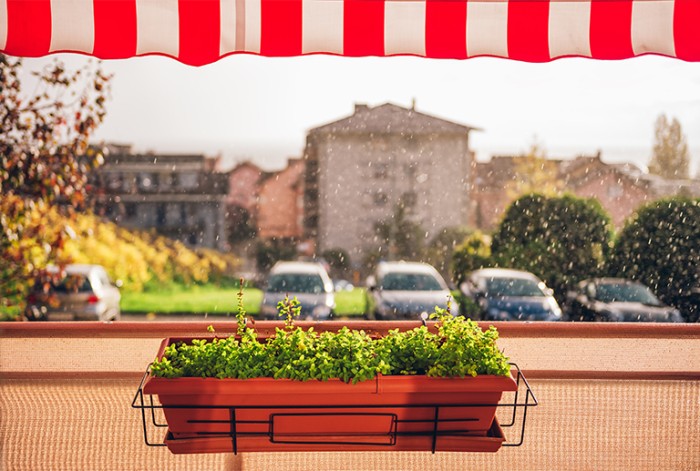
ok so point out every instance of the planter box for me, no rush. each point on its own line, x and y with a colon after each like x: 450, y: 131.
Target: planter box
x: 389, y: 412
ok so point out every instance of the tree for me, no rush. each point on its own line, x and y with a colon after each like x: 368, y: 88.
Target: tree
x: 660, y: 247
x: 338, y: 260
x: 670, y: 157
x: 399, y: 237
x: 472, y: 254
x: 535, y: 173
x: 560, y: 239
x: 45, y: 160
x: 269, y: 252
x: 439, y: 252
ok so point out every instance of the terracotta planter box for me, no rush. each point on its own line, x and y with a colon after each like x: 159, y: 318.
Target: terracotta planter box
x: 389, y: 412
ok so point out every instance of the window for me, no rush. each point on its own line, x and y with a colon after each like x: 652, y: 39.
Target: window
x: 146, y: 181
x: 381, y: 171
x: 187, y: 180
x: 380, y: 198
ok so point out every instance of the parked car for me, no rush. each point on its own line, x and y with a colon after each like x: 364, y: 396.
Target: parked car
x: 77, y: 293
x: 308, y: 282
x: 406, y: 290
x: 510, y: 295
x: 617, y: 300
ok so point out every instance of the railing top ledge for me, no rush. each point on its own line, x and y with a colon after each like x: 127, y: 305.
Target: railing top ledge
x: 223, y: 328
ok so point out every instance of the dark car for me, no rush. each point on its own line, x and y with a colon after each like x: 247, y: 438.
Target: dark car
x: 76, y: 293
x: 406, y: 290
x: 617, y: 300
x: 510, y: 295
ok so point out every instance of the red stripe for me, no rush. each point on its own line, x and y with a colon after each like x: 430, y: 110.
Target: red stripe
x: 528, y: 30
x: 363, y: 28
x: 115, y: 29
x: 28, y: 27
x: 611, y: 29
x: 686, y: 26
x: 446, y: 29
x: 200, y: 27
x: 280, y: 28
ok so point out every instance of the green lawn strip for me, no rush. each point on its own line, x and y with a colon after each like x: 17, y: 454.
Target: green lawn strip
x: 196, y: 299
x: 350, y: 303
x: 216, y: 300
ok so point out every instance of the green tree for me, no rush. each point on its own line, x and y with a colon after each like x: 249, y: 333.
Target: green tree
x: 338, y: 260
x: 439, y: 252
x: 472, y: 254
x: 45, y: 160
x: 399, y: 237
x: 660, y: 247
x: 670, y: 157
x: 560, y: 239
x: 269, y: 252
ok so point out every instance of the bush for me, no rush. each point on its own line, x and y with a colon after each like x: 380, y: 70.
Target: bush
x: 560, y: 239
x: 660, y: 247
x: 474, y: 253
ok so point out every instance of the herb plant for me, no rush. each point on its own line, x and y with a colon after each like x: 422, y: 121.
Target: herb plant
x: 459, y: 348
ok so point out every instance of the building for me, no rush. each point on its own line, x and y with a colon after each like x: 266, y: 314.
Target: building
x: 244, y: 182
x: 359, y: 168
x: 180, y: 195
x: 620, y: 188
x: 280, y: 208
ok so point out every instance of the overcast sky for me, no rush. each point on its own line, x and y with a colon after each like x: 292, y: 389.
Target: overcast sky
x: 249, y: 107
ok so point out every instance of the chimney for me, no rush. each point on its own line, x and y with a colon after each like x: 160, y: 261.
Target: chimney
x: 360, y: 107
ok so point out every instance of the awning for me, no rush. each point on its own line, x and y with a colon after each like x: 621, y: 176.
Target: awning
x: 199, y: 32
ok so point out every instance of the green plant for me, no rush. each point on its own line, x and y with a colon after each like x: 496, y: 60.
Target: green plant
x: 660, y: 246
x: 560, y: 239
x: 456, y: 347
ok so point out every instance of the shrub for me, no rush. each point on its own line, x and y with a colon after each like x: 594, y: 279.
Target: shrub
x: 472, y: 254
x: 560, y: 239
x: 660, y: 247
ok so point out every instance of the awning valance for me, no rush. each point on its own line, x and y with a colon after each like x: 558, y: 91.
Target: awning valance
x: 199, y: 32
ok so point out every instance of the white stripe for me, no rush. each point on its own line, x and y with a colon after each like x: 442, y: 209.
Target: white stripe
x: 227, y: 15
x: 157, y: 27
x: 253, y: 20
x: 487, y: 28
x: 3, y: 24
x: 569, y: 29
x: 72, y: 26
x: 652, y: 27
x: 404, y: 27
x: 322, y: 26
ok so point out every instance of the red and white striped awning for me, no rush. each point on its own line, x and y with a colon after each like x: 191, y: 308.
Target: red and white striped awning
x: 199, y: 32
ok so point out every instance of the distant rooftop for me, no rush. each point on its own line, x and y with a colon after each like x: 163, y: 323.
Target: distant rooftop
x: 389, y: 118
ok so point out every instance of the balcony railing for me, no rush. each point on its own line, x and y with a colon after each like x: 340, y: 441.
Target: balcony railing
x: 612, y: 397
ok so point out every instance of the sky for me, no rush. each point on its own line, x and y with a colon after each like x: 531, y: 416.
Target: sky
x: 254, y: 108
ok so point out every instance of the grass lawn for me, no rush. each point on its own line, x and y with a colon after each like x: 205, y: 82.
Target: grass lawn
x: 192, y: 299
x: 350, y: 303
x: 217, y: 300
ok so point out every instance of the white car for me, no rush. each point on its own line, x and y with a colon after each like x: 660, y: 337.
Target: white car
x: 80, y: 293
x: 308, y: 282
x: 406, y: 290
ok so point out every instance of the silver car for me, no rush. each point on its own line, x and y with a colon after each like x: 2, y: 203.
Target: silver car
x: 308, y: 282
x: 406, y: 290
x: 79, y: 293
